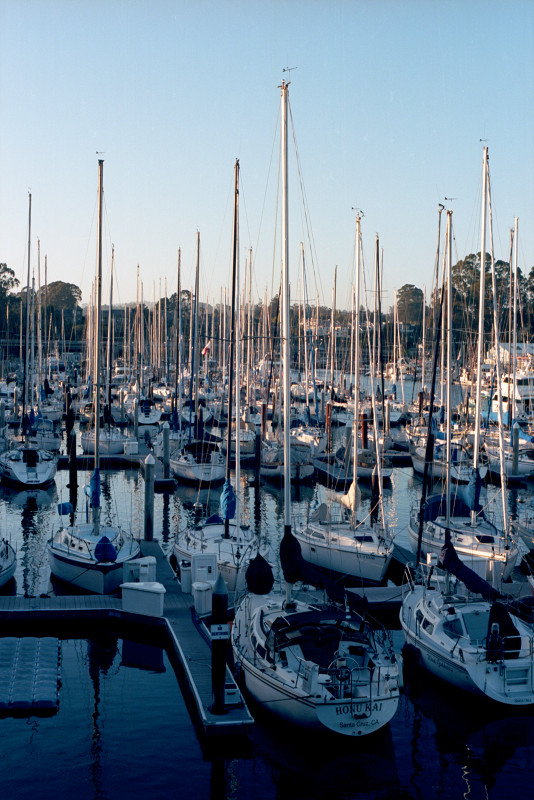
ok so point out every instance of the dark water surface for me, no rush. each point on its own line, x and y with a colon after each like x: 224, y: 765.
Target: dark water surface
x: 124, y: 729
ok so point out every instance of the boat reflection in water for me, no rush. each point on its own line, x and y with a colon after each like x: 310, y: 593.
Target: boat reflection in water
x: 27, y: 518
x: 476, y: 743
x: 31, y: 499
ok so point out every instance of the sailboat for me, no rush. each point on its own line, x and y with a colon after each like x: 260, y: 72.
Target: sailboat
x: 8, y: 562
x: 90, y: 555
x: 200, y: 460
x: 23, y: 464
x: 333, y: 538
x: 232, y: 543
x: 487, y: 550
x: 466, y: 633
x: 461, y: 627
x: 111, y: 439
x: 316, y: 665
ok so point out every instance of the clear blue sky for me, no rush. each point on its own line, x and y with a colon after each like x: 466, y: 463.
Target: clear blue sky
x: 389, y: 103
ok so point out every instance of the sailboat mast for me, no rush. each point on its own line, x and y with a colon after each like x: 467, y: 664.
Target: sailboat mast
x: 98, y: 331
x: 232, y: 340
x: 27, y: 354
x: 305, y: 329
x: 480, y: 355
x: 110, y: 335
x: 356, y: 352
x: 196, y: 356
x: 285, y: 313
x: 512, y: 402
x: 39, y: 339
x: 180, y: 343
x: 449, y: 365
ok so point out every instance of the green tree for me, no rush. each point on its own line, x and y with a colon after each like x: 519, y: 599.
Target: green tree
x: 410, y: 305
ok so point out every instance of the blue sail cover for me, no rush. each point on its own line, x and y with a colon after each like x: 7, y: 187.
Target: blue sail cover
x: 471, y: 492
x: 449, y: 560
x: 93, y: 490
x: 228, y: 501
x: 105, y: 551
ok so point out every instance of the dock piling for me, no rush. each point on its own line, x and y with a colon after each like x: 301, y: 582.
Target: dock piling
x: 166, y: 452
x: 150, y: 464
x: 219, y: 638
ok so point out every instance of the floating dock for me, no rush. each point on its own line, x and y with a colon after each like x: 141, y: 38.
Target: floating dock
x: 191, y: 647
x: 29, y: 674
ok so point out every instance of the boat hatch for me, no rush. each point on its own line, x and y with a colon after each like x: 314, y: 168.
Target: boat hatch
x: 476, y: 623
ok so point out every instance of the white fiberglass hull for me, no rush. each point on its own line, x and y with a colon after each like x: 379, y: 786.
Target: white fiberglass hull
x: 347, y: 717
x: 198, y: 473
x: 111, y: 444
x: 16, y: 470
x: 72, y: 559
x: 460, y: 660
x: 490, y: 560
x: 8, y: 562
x: 332, y: 548
x: 318, y: 668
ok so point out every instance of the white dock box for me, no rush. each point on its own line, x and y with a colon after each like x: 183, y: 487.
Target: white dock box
x: 186, y: 579
x: 143, y: 598
x: 139, y: 570
x: 204, y: 567
x: 202, y: 592
x: 131, y: 447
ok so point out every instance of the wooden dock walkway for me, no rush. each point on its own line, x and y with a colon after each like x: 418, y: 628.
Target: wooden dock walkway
x: 190, y: 645
x: 195, y: 651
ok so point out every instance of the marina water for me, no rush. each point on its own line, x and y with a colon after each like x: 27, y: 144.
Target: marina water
x: 125, y: 726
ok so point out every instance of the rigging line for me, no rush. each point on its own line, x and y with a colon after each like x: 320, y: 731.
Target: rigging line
x: 313, y: 249
x: 274, y: 142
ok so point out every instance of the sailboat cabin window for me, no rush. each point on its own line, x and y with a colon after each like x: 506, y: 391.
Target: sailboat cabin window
x: 453, y: 627
x: 428, y: 626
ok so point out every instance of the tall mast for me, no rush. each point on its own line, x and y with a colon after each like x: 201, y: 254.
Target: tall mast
x: 305, y: 327
x: 249, y: 324
x: 285, y: 313
x: 110, y: 334
x: 233, y: 315
x: 449, y: 365
x: 98, y: 330
x: 476, y: 446
x: 27, y: 353
x: 356, y: 357
x: 39, y: 339
x: 178, y: 380
x: 511, y: 403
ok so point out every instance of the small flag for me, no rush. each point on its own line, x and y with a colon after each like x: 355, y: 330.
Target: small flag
x: 207, y: 348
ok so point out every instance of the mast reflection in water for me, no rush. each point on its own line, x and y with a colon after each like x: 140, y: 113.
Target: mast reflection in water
x: 143, y: 741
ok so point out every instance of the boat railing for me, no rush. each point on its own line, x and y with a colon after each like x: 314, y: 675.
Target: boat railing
x: 505, y: 649
x: 348, y: 679
x: 75, y: 544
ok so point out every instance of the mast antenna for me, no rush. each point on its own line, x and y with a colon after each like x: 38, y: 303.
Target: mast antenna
x: 290, y: 70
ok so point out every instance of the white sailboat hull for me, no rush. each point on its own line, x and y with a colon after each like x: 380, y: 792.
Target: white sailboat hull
x: 17, y: 468
x: 463, y: 661
x: 8, y: 563
x: 332, y: 548
x: 71, y: 554
x: 318, y: 679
